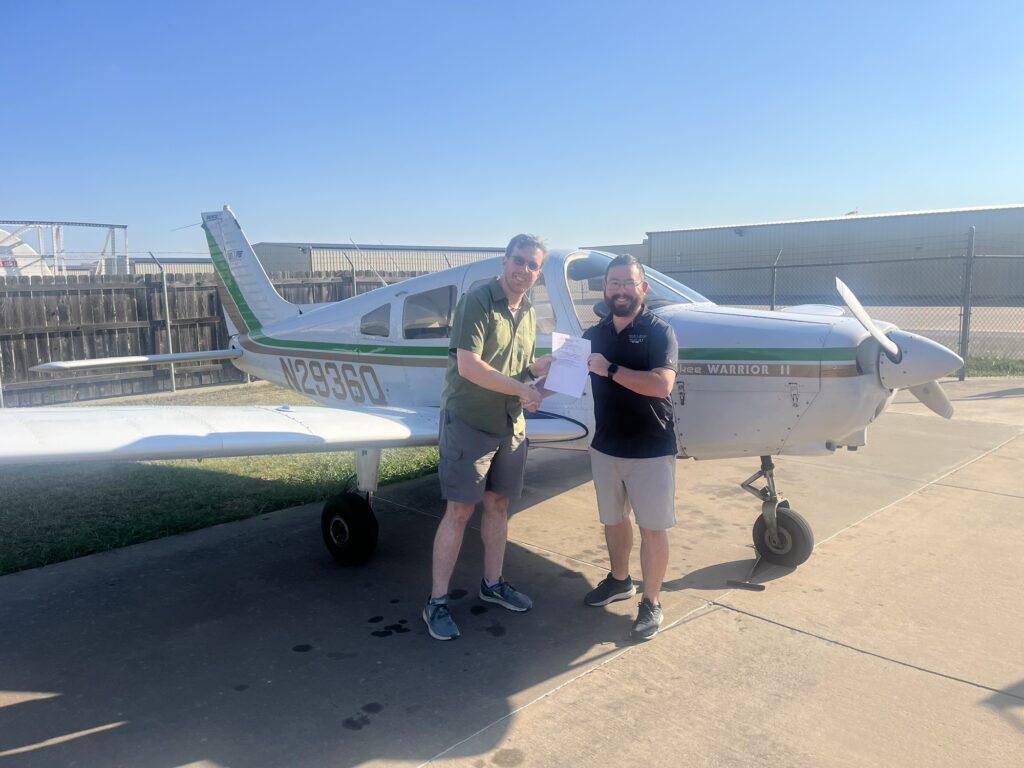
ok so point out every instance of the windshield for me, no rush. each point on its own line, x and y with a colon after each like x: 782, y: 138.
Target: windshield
x: 584, y: 277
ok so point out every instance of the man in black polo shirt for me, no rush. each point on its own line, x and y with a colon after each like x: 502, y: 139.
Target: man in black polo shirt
x: 633, y: 453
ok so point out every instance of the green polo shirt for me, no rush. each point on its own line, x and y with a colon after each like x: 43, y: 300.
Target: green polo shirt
x: 484, y: 325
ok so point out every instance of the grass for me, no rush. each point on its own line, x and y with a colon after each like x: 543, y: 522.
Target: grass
x: 54, y: 513
x: 994, y: 366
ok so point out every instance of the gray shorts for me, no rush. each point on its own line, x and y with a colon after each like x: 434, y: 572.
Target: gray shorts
x: 648, y: 486
x: 473, y: 461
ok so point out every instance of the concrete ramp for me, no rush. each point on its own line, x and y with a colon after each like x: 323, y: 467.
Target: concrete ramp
x: 897, y: 643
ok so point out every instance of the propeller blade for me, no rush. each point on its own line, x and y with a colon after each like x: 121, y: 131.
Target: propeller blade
x: 890, y: 347
x: 933, y: 396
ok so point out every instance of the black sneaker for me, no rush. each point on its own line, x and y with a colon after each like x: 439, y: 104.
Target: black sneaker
x: 610, y: 589
x: 648, y: 619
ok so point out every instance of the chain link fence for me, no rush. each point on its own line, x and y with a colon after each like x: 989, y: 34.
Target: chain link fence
x: 971, y: 303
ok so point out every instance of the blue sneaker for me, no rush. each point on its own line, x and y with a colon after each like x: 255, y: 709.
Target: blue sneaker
x: 438, y: 619
x: 505, y: 595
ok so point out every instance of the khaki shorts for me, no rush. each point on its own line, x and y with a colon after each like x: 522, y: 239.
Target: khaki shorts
x: 647, y: 486
x: 473, y: 461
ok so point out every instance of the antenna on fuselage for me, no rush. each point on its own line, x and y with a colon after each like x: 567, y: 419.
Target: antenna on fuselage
x: 375, y: 272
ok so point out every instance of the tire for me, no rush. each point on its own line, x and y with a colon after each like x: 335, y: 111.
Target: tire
x: 349, y: 528
x: 796, y: 540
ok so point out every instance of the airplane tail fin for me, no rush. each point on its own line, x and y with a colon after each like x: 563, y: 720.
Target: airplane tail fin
x: 249, y: 298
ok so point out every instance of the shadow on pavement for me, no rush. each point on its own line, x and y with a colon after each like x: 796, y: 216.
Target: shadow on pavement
x: 1017, y: 392
x: 244, y: 644
x: 1009, y: 704
x: 714, y: 577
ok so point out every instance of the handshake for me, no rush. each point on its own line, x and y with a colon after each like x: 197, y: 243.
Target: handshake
x: 529, y: 395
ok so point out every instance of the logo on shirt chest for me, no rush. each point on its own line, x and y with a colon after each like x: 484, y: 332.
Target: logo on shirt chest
x: 637, y: 338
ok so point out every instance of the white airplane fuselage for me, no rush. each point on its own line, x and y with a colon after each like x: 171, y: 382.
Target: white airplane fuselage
x: 749, y: 383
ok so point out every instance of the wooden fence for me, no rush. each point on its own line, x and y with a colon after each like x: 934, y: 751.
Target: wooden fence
x: 56, y: 318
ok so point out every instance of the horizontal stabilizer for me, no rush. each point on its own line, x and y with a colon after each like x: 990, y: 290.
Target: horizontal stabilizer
x: 136, y: 360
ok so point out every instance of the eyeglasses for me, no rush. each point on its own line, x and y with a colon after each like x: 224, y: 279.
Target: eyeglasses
x: 533, y: 266
x: 618, y: 285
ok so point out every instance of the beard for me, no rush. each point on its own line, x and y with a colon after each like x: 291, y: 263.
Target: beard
x: 622, y: 310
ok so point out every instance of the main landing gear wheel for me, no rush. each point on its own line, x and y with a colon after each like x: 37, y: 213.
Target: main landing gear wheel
x: 349, y: 528
x: 792, y: 542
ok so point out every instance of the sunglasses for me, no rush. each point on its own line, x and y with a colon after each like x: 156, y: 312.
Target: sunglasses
x: 533, y: 266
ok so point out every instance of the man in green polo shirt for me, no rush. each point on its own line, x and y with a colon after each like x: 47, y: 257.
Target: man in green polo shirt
x: 483, y: 431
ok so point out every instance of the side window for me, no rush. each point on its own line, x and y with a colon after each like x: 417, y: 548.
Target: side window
x: 587, y: 298
x: 541, y: 301
x: 428, y: 315
x: 377, y: 322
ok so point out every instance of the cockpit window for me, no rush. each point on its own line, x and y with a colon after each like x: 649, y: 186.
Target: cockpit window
x: 377, y: 322
x: 584, y: 277
x: 541, y: 300
x: 428, y: 315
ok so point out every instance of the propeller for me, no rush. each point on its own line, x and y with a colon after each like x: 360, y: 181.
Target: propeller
x: 933, y: 396
x: 890, y: 347
x: 911, y: 362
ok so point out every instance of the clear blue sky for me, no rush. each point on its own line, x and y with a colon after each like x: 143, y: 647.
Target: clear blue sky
x: 463, y: 123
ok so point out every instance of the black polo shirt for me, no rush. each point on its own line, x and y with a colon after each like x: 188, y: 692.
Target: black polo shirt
x: 631, y: 425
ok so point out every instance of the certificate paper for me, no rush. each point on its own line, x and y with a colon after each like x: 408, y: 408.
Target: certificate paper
x: 568, y: 372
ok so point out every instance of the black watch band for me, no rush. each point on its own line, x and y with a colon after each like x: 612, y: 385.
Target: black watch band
x: 612, y: 369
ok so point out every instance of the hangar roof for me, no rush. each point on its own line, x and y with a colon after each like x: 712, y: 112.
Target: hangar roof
x: 849, y: 217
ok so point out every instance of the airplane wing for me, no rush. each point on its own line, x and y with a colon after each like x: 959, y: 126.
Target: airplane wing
x: 39, y: 435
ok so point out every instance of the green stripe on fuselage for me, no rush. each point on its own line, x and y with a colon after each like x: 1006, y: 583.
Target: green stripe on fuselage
x: 773, y: 354
x: 777, y: 354
x: 337, y: 346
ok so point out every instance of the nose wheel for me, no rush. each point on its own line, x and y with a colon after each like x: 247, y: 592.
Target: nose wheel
x: 790, y: 544
x: 781, y: 535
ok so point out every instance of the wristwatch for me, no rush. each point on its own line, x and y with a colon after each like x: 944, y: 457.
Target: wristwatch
x: 612, y: 369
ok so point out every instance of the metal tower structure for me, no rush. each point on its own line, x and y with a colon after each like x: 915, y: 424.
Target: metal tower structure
x: 50, y: 238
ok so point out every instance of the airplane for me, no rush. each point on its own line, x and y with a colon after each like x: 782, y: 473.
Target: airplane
x: 806, y: 380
